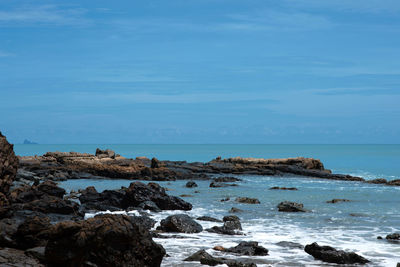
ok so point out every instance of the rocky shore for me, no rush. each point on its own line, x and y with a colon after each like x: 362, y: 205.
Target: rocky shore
x: 41, y: 225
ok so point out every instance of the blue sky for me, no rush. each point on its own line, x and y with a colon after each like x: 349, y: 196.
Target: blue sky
x: 204, y: 71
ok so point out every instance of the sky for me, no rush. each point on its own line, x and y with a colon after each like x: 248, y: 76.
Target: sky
x: 200, y: 71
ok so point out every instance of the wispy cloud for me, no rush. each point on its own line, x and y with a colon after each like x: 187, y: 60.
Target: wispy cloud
x: 45, y: 14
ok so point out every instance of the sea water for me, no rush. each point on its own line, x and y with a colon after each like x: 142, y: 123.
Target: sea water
x: 374, y: 210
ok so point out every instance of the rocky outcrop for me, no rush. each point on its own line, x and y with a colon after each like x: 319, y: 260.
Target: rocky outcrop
x: 105, y: 240
x: 8, y: 165
x: 394, y: 236
x: 231, y: 226
x: 105, y: 153
x: 148, y: 196
x: 15, y: 257
x: 332, y: 255
x: 247, y: 200
x: 180, y: 223
x: 287, y: 206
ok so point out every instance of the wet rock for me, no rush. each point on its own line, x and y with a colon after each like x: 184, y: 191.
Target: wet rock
x: 231, y: 226
x: 250, y: 248
x: 198, y: 256
x: 394, y: 182
x: 139, y: 192
x: 37, y: 253
x: 155, y: 163
x: 51, y: 188
x: 283, y: 188
x: 231, y: 218
x: 50, y: 204
x: 108, y: 153
x: 225, y: 199
x: 8, y: 165
x: 226, y: 179
x: 180, y: 223
x: 105, y: 240
x: 377, y: 181
x: 208, y: 219
x: 288, y: 206
x: 186, y: 195
x: 216, y: 185
x: 145, y: 221
x: 235, y: 210
x: 191, y: 184
x: 337, y: 200
x: 247, y: 200
x: 149, y: 205
x: 219, y: 248
x: 332, y: 255
x: 14, y: 257
x: 379, y: 237
x: 394, y: 236
x: 288, y: 244
x: 206, y: 259
x: 32, y: 232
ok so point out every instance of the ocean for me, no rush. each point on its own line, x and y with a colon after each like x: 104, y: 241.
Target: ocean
x: 374, y: 210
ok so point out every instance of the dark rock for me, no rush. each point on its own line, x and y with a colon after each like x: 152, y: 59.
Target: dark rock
x: 199, y: 255
x: 379, y: 237
x: 231, y: 218
x: 235, y: 210
x: 180, y: 223
x: 226, y: 179
x: 14, y: 257
x: 145, y: 221
x: 288, y: 244
x: 37, y: 253
x: 283, y: 188
x: 208, y: 219
x: 8, y: 228
x: 155, y: 163
x: 231, y: 226
x: 186, y: 195
x: 8, y: 165
x: 332, y: 255
x: 247, y: 200
x: 215, y: 184
x: 394, y: 236
x: 211, y: 261
x: 105, y: 240
x: 32, y: 232
x: 250, y: 248
x: 51, y: 188
x: 191, y: 184
x: 288, y: 206
x: 206, y: 259
x: 149, y: 205
x: 108, y: 153
x: 225, y: 199
x: 50, y: 204
x: 336, y: 200
x: 394, y: 182
x: 139, y: 192
x: 377, y: 181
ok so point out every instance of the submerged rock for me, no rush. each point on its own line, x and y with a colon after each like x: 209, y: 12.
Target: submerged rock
x: 180, y: 223
x: 226, y: 179
x: 235, y: 210
x: 337, y: 200
x: 283, y: 188
x: 288, y: 206
x: 247, y: 200
x: 215, y: 184
x: 332, y: 255
x: 198, y: 256
x: 208, y: 219
x: 105, y: 240
x: 191, y: 184
x: 288, y: 244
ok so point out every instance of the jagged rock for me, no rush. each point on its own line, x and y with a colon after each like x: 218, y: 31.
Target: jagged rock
x: 283, y: 188
x: 8, y: 165
x: 180, y: 223
x: 377, y: 181
x: 32, y: 232
x: 288, y: 206
x: 250, y: 248
x: 108, y: 153
x: 231, y: 226
x: 231, y: 218
x: 336, y: 200
x: 332, y: 255
x: 394, y: 236
x: 14, y: 257
x: 51, y: 188
x: 105, y: 240
x: 37, y: 253
x: 226, y: 179
x: 191, y: 184
x: 201, y: 254
x: 209, y: 219
x: 247, y: 200
x: 215, y: 184
x: 145, y: 221
x: 235, y: 210
x: 149, y: 205
x: 155, y: 163
x: 394, y: 182
x: 207, y: 259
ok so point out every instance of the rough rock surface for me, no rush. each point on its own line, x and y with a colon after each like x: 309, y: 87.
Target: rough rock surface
x: 180, y: 223
x: 191, y: 184
x: 208, y: 219
x: 337, y: 200
x: 206, y: 259
x: 250, y: 248
x: 332, y: 255
x: 105, y: 240
x: 13, y: 257
x: 8, y: 165
x: 232, y: 226
x: 247, y: 200
x: 288, y: 206
x: 394, y: 236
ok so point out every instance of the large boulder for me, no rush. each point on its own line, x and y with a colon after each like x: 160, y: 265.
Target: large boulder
x: 32, y: 232
x: 108, y: 153
x: 105, y: 240
x: 232, y: 226
x: 139, y: 192
x: 180, y: 223
x: 8, y: 165
x: 332, y: 255
x: 287, y: 206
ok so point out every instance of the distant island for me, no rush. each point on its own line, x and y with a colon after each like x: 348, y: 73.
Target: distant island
x: 27, y: 142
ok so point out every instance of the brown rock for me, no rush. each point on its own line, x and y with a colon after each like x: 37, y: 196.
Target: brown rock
x: 219, y: 248
x: 8, y: 165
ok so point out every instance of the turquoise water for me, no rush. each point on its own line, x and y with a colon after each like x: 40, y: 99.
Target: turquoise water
x: 374, y: 209
x: 368, y: 161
